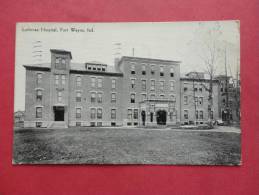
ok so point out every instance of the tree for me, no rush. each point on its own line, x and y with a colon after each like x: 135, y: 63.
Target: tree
x: 207, y: 39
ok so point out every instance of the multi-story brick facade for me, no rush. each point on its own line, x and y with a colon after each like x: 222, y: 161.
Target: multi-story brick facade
x: 195, y: 103
x: 133, y: 92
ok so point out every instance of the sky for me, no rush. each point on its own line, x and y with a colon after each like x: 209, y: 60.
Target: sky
x: 182, y: 41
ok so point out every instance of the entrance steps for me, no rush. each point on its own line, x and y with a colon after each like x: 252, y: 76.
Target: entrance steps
x: 58, y: 125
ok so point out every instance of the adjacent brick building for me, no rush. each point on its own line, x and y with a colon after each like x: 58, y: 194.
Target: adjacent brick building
x: 133, y: 92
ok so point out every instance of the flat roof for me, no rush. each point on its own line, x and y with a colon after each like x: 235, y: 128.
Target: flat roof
x: 61, y: 51
x: 147, y: 59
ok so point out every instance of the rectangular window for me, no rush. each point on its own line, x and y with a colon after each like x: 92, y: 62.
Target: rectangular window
x: 93, y: 113
x: 132, y: 83
x: 38, y: 124
x: 172, y: 72
x: 93, y: 97
x: 99, y: 98
x: 39, y: 78
x: 132, y: 98
x: 161, y: 71
x: 152, y: 69
x: 185, y: 87
x: 130, y: 114
x: 113, y: 98
x: 59, y: 96
x: 99, y: 82
x: 38, y: 112
x: 200, y: 100
x: 56, y: 79
x: 113, y: 124
x: 152, y: 85
x: 78, y: 112
x: 78, y: 81
x: 185, y: 113
x: 135, y: 114
x: 185, y: 100
x: 152, y: 96
x: 132, y: 69
x: 171, y: 85
x: 78, y: 96
x: 197, y: 114
x: 162, y: 85
x: 144, y: 96
x: 92, y: 82
x: 57, y: 61
x: 201, y: 114
x: 63, y: 79
x: 200, y: 89
x: 113, y: 83
x: 99, y: 113
x: 196, y: 101
x: 143, y: 70
x: 39, y: 95
x: 63, y: 61
x: 99, y: 124
x: 143, y: 85
x: 113, y: 113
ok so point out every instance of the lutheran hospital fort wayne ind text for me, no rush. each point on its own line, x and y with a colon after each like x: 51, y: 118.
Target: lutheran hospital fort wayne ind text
x: 134, y: 92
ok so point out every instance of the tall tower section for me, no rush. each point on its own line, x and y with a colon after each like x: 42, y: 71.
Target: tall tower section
x: 60, y: 68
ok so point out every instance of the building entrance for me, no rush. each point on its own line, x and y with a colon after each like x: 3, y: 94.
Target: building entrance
x: 59, y: 112
x: 161, y: 117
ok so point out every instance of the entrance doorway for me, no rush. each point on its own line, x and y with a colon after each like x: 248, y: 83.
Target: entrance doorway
x: 161, y: 117
x: 59, y: 112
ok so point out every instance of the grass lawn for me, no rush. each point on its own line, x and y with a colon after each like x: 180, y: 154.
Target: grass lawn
x: 125, y: 146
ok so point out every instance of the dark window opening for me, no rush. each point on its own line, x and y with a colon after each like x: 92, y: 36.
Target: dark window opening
x: 161, y: 117
x: 151, y: 116
x: 132, y: 72
x: 172, y: 74
x: 113, y: 124
x: 128, y: 124
x: 59, y: 113
x: 38, y: 124
x: 143, y: 72
x: 161, y: 74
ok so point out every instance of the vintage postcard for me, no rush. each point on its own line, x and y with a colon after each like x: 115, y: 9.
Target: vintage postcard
x: 127, y: 93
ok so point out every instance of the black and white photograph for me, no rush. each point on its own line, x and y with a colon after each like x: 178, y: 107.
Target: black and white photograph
x: 165, y: 93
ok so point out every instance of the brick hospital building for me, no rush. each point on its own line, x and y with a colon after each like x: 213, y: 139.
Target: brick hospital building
x: 134, y: 92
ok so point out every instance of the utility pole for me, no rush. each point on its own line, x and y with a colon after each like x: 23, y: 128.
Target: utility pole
x: 194, y: 98
x: 226, y: 89
x: 37, y: 51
